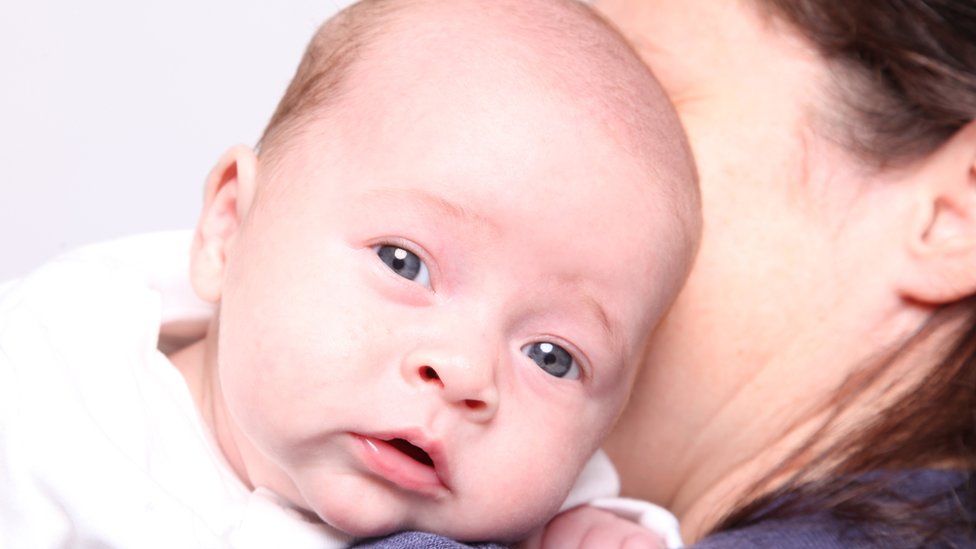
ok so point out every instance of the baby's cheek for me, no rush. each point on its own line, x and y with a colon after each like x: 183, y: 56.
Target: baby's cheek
x: 510, y: 509
x: 536, y: 484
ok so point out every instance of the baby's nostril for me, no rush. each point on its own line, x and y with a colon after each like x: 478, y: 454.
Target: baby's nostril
x: 429, y: 374
x: 473, y: 404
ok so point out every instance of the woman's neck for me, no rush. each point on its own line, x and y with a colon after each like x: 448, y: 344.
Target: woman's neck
x: 747, y: 433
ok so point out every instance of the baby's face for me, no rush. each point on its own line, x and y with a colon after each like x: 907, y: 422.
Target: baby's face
x: 430, y: 322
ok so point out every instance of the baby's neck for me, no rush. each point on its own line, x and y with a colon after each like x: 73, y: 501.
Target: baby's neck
x: 197, y: 364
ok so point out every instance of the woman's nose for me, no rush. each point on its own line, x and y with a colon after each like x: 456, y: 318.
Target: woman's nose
x: 468, y: 385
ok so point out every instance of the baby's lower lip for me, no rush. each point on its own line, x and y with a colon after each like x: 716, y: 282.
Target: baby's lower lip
x: 386, y: 461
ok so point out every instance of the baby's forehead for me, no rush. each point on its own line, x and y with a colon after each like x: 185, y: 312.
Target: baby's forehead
x: 558, y: 48
x: 440, y: 55
x: 503, y: 81
x: 530, y: 42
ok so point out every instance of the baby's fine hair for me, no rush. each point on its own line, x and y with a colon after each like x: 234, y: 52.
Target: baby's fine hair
x: 572, y: 47
x: 317, y: 83
x: 564, y: 45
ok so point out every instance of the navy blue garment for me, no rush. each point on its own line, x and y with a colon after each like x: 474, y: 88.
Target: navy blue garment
x: 827, y: 531
x: 421, y: 540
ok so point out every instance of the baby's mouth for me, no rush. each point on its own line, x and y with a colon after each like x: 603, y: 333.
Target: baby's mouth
x: 417, y: 466
x: 413, y: 452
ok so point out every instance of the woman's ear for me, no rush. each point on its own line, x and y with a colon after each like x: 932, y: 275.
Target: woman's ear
x: 941, y: 250
x: 228, y: 195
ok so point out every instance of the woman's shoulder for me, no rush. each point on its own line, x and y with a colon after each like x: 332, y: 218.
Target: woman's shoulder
x: 933, y: 496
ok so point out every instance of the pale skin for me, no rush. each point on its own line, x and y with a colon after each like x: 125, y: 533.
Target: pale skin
x: 322, y: 349
x: 810, y: 262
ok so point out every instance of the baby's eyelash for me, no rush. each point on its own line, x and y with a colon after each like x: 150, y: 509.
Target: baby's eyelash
x: 580, y: 358
x: 410, y: 247
x: 404, y: 263
x: 554, y: 359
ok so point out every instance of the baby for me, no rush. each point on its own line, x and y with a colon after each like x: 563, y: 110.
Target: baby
x: 432, y: 283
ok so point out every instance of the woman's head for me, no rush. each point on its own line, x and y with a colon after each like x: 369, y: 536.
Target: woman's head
x: 837, y: 156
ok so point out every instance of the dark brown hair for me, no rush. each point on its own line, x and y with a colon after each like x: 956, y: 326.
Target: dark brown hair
x: 905, y: 82
x: 905, y: 69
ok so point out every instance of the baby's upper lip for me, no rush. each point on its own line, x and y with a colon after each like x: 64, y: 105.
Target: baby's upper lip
x: 431, y: 445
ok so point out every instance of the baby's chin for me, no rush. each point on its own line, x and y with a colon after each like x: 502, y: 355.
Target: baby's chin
x: 366, y: 508
x: 358, y: 506
x: 365, y: 523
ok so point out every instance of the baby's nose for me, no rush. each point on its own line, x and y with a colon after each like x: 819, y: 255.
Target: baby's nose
x: 466, y: 385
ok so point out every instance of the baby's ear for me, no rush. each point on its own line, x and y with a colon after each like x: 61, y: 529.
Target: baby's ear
x: 941, y: 263
x: 228, y: 196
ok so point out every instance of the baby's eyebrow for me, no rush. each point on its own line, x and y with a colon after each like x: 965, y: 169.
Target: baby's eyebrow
x: 602, y: 316
x: 610, y: 328
x: 448, y: 208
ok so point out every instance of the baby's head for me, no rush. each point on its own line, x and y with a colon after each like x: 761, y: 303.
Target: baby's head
x: 436, y: 278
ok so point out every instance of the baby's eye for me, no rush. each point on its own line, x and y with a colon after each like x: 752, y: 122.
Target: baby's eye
x: 553, y: 359
x: 404, y: 263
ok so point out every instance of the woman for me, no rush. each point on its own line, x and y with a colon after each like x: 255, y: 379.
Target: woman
x: 816, y: 381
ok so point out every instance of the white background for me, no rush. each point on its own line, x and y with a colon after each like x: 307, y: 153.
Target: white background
x: 113, y: 111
